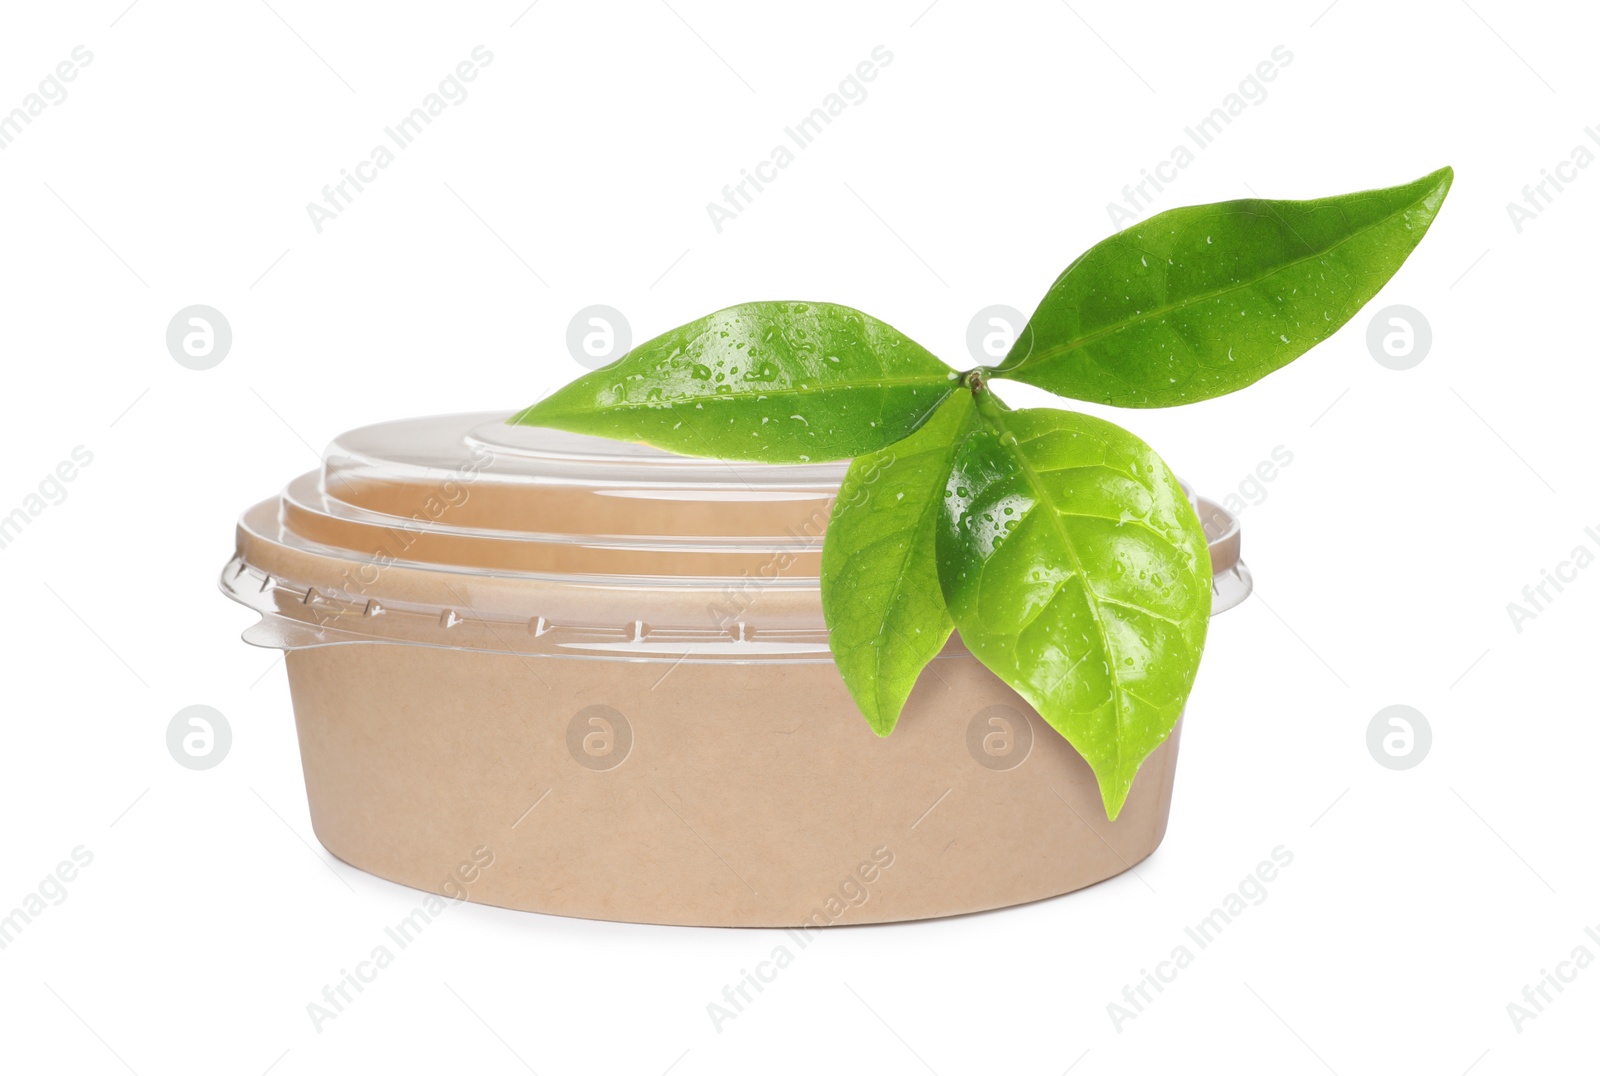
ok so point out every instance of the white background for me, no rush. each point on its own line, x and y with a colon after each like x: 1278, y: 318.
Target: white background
x: 1418, y: 504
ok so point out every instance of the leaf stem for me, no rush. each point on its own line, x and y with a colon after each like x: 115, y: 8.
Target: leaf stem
x: 989, y: 405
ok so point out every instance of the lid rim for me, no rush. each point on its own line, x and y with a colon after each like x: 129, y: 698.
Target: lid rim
x: 411, y: 535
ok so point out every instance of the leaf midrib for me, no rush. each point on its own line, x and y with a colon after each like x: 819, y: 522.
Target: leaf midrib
x: 929, y: 380
x: 929, y: 507
x: 1037, y: 484
x: 1099, y: 334
x: 899, y: 594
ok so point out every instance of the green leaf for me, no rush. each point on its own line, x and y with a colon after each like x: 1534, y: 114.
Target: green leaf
x: 1076, y: 570
x: 1201, y: 301
x: 880, y: 578
x: 775, y: 382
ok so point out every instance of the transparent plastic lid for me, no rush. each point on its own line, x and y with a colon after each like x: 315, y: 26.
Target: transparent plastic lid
x: 463, y: 531
x: 470, y: 493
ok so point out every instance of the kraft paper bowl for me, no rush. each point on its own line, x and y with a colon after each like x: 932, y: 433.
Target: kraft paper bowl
x: 567, y: 675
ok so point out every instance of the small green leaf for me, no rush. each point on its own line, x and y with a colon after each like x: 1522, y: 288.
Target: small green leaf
x: 1201, y: 301
x: 880, y: 578
x: 1075, y: 569
x: 775, y: 382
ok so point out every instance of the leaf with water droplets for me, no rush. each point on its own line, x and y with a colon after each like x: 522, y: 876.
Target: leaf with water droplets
x: 880, y: 581
x: 1076, y: 570
x: 777, y: 382
x: 1204, y: 300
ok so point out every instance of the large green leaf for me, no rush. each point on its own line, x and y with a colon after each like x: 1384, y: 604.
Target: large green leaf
x: 880, y: 578
x: 1201, y: 301
x: 1076, y: 570
x: 776, y: 382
